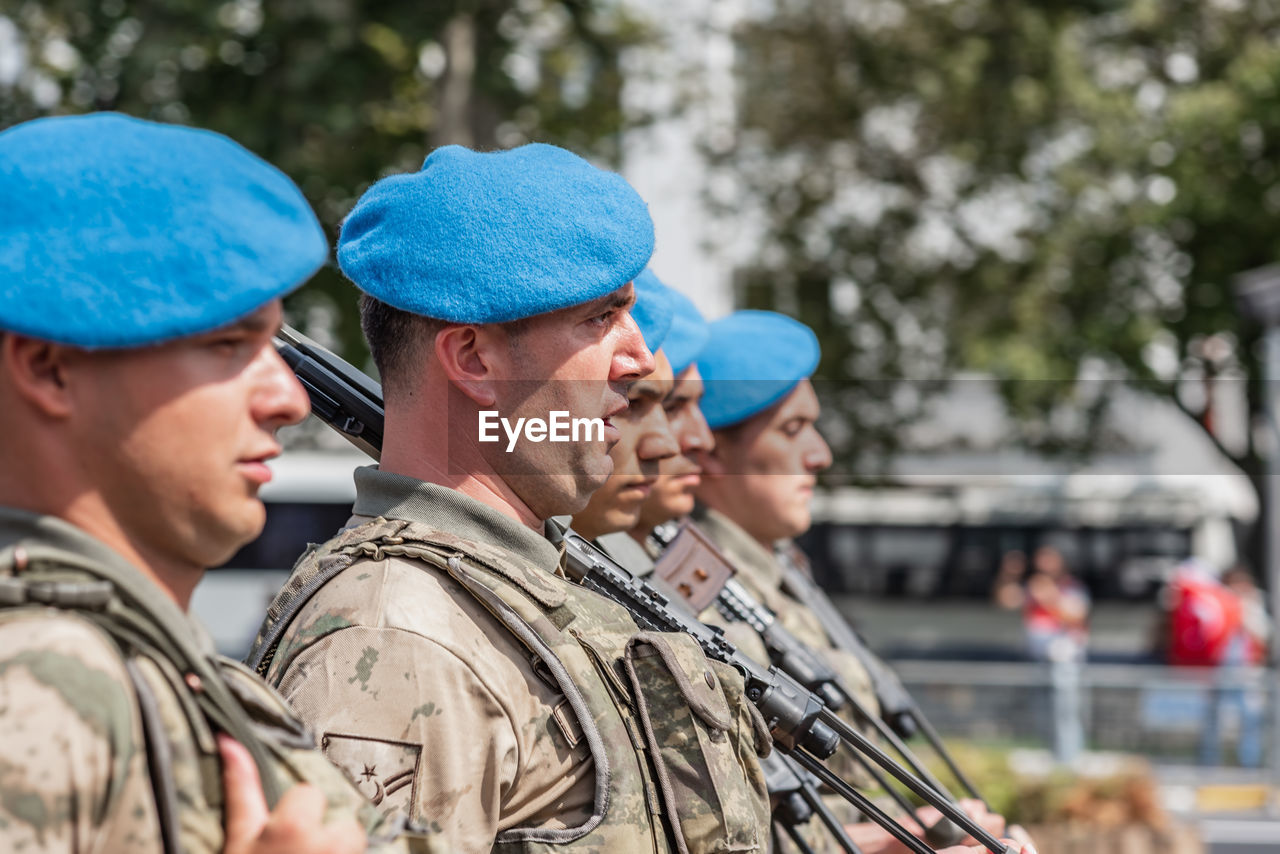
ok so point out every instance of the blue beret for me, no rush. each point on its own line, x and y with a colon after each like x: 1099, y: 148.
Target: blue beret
x: 491, y: 237
x: 118, y: 232
x: 688, y: 333
x: 752, y: 360
x: 653, y: 309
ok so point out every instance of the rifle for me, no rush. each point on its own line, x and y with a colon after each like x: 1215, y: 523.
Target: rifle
x: 900, y: 717
x: 687, y: 543
x: 900, y: 709
x: 345, y: 398
x: 801, y: 725
x: 796, y: 793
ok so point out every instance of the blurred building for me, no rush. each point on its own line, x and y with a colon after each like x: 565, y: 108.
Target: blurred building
x: 949, y: 513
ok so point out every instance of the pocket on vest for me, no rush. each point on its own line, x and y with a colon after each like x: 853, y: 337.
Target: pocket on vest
x: 703, y: 749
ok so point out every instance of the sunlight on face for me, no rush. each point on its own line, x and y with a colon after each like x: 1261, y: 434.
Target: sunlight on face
x: 579, y: 360
x: 770, y: 466
x: 645, y: 441
x: 178, y: 436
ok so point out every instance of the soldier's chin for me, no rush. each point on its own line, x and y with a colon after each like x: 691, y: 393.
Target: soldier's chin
x: 678, y: 505
x: 580, y: 486
x: 799, y: 521
x: 570, y: 504
x: 591, y: 481
x: 218, y: 547
x: 598, y: 468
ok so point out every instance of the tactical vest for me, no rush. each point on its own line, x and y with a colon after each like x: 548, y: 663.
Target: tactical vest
x: 673, y: 740
x: 184, y: 696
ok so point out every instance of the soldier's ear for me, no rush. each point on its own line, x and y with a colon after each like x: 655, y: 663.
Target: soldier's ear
x: 466, y: 356
x: 37, y: 372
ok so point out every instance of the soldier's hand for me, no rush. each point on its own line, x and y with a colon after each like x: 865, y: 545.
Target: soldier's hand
x: 991, y: 822
x: 873, y: 839
x: 1019, y: 833
x: 295, y: 825
x: 1022, y: 848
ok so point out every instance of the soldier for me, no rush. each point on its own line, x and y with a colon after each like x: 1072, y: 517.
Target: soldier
x: 644, y: 433
x: 143, y: 266
x: 757, y: 483
x: 648, y: 433
x: 672, y: 495
x: 435, y: 643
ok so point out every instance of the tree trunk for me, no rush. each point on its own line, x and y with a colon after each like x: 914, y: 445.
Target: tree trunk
x: 457, y: 84
x: 1254, y: 542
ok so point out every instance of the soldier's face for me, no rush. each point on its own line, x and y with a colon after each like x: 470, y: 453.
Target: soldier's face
x: 678, y: 476
x: 579, y: 360
x: 177, y: 437
x: 644, y: 441
x: 766, y: 469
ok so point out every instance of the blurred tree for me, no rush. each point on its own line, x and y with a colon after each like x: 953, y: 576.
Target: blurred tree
x: 337, y: 93
x: 1045, y: 191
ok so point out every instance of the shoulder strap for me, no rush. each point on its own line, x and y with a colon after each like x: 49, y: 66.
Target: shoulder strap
x: 800, y: 585
x: 159, y: 759
x: 377, y: 539
x: 138, y: 616
x: 315, y: 568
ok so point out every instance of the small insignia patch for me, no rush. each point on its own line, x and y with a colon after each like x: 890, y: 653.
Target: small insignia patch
x: 385, y: 771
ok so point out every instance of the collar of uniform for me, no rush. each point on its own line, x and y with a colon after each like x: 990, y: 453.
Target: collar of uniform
x: 746, y: 553
x: 54, y: 536
x: 394, y: 496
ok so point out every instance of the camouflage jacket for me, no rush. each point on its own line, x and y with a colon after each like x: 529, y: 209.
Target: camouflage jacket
x: 494, y: 702
x: 109, y: 703
x: 755, y: 569
x: 760, y: 572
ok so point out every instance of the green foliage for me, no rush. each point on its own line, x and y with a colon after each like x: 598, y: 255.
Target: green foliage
x: 337, y: 93
x: 1038, y: 190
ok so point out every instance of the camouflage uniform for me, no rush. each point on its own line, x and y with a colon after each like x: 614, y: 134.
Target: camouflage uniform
x: 763, y: 575
x: 495, y: 703
x: 640, y: 561
x: 107, y: 725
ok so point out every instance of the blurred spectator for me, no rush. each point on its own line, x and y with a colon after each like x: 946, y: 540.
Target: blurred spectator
x: 1236, y: 690
x: 1055, y: 612
x: 1255, y: 625
x: 1055, y: 617
x: 1204, y: 616
x: 1007, y: 592
x: 1223, y: 624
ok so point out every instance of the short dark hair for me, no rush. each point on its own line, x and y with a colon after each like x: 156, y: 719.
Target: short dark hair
x: 395, y: 337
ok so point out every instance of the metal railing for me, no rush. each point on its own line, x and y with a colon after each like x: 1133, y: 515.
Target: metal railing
x: 1210, y: 716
